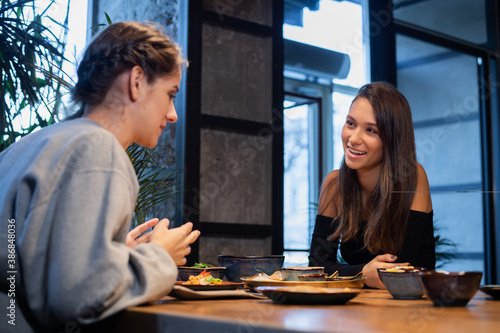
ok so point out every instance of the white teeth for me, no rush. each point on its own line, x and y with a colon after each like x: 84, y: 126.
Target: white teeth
x: 355, y: 152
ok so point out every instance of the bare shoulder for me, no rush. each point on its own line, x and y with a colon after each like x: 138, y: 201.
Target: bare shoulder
x: 331, y: 177
x: 329, y: 189
x: 422, y: 199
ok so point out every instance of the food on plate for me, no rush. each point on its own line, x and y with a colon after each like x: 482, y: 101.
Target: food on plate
x: 201, y: 265
x: 401, y: 269
x: 203, y: 279
x: 262, y: 277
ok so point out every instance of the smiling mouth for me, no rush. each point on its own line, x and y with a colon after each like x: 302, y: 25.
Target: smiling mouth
x: 356, y: 152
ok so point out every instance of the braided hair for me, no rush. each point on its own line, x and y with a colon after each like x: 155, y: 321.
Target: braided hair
x: 119, y: 48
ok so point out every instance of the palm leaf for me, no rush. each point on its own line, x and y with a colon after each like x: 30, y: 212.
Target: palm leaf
x: 156, y: 181
x: 108, y: 19
x: 31, y: 57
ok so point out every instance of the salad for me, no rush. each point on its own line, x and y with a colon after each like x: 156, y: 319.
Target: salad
x: 203, y: 279
x: 201, y: 265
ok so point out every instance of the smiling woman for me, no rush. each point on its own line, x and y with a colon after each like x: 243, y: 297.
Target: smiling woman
x: 377, y: 207
x: 362, y: 144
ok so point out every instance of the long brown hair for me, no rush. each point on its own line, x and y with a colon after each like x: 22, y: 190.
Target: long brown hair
x: 389, y: 203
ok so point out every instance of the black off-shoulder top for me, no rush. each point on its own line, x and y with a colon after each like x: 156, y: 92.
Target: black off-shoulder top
x: 418, y: 246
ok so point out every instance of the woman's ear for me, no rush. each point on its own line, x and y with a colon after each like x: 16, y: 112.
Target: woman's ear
x: 136, y: 82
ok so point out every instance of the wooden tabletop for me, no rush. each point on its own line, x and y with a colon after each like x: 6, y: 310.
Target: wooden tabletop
x: 371, y: 311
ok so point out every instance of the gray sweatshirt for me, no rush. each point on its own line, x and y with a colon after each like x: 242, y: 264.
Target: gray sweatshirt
x: 67, y: 194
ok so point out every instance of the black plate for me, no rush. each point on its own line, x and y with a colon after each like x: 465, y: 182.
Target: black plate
x: 291, y: 295
x: 492, y: 290
x: 226, y: 285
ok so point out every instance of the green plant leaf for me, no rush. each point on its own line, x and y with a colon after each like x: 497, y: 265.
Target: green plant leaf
x: 157, y: 182
x: 31, y: 57
x: 108, y: 19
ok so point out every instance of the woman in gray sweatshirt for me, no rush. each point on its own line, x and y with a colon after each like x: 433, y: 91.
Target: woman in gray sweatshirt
x: 68, y: 192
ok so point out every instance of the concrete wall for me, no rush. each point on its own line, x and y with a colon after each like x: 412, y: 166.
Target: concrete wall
x: 235, y: 167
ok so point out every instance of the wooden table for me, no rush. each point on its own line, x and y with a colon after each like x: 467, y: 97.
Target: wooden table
x: 371, y: 311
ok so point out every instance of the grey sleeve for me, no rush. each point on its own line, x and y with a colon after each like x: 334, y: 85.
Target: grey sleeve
x: 88, y: 273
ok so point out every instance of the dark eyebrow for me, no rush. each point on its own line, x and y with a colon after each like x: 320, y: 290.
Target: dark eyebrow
x: 176, y: 89
x: 369, y: 124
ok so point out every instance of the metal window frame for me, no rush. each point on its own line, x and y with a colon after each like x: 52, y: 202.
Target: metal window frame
x: 318, y: 173
x: 383, y: 67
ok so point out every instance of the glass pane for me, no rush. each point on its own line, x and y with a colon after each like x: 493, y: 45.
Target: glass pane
x: 335, y: 26
x: 441, y: 86
x: 300, y: 164
x: 464, y: 19
x: 341, y: 104
x: 296, y: 258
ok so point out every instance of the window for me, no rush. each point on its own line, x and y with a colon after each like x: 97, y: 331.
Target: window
x: 301, y: 164
x: 442, y: 87
x: 316, y: 103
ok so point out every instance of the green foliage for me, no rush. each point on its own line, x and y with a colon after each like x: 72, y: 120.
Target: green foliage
x: 31, y: 57
x: 445, y: 248
x: 108, y: 19
x: 156, y: 181
x: 201, y: 265
x: 95, y: 28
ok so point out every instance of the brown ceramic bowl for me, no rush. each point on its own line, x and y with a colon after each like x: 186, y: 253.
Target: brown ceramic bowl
x: 402, y: 284
x: 246, y: 266
x: 450, y: 288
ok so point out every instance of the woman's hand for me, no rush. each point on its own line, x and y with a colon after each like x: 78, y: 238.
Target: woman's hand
x: 381, y: 261
x: 175, y: 241
x: 133, y: 236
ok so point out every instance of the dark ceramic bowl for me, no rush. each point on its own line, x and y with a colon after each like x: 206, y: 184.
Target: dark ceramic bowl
x: 402, y: 285
x: 185, y: 272
x: 491, y: 289
x: 247, y: 266
x: 450, y: 288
